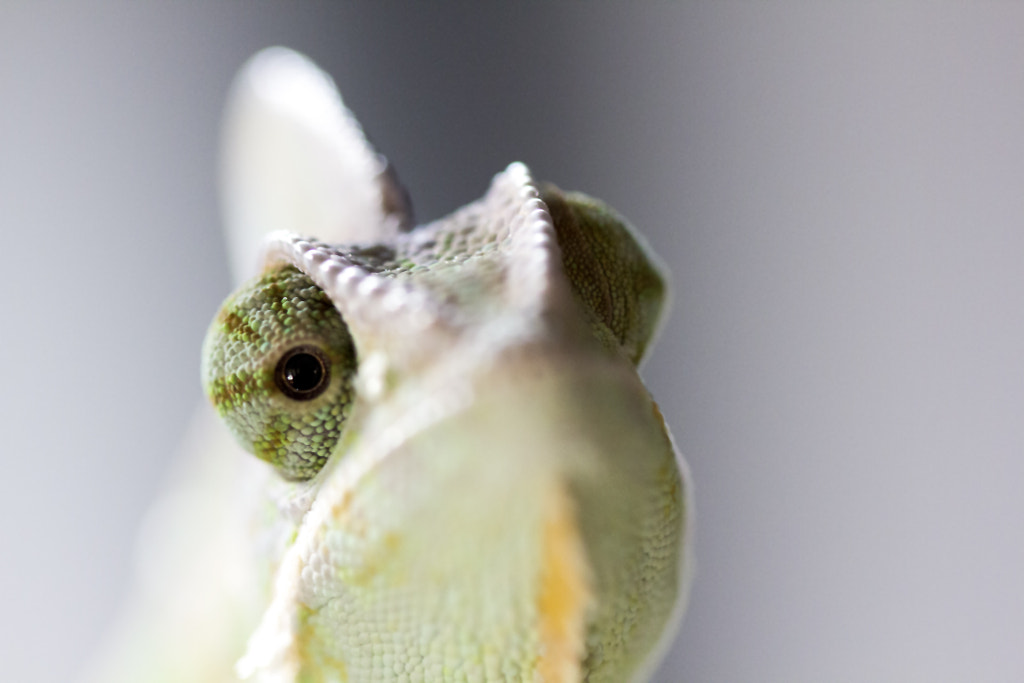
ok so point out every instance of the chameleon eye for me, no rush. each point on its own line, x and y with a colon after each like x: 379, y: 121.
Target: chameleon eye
x: 279, y: 365
x: 303, y: 373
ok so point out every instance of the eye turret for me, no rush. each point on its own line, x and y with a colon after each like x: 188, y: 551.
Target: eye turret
x: 278, y: 364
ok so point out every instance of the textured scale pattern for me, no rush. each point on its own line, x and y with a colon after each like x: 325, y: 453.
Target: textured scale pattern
x: 484, y: 493
x: 487, y: 260
x: 277, y: 311
x: 611, y: 273
x: 384, y: 584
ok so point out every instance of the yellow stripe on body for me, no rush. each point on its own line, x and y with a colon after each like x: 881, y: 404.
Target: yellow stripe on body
x: 564, y: 595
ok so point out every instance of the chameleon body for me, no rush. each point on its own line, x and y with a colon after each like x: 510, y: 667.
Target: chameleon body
x: 465, y: 479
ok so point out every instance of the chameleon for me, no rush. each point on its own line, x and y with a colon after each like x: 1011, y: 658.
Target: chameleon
x: 459, y: 475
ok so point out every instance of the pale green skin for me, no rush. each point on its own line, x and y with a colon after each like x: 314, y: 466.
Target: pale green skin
x: 501, y: 499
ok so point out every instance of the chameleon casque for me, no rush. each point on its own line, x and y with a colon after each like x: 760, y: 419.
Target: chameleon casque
x: 464, y: 478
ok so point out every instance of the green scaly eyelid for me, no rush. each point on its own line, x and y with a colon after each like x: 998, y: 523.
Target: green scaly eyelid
x: 278, y: 365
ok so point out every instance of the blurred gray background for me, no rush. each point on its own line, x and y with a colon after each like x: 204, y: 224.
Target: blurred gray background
x: 838, y: 189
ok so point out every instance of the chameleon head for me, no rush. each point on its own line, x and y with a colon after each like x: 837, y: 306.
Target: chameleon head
x: 278, y: 365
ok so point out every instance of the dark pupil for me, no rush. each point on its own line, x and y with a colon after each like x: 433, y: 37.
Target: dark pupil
x: 302, y: 374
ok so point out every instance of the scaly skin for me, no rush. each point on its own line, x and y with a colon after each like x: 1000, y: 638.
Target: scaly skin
x: 282, y: 309
x: 541, y: 534
x: 467, y: 480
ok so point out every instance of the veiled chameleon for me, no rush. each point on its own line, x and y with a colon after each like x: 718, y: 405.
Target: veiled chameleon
x: 467, y: 480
